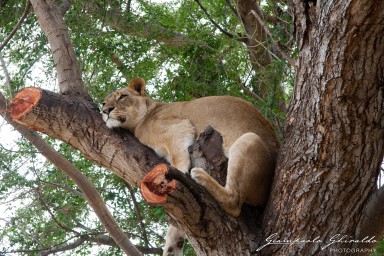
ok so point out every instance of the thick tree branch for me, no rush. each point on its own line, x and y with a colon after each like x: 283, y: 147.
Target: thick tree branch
x: 67, y: 66
x: 89, y: 191
x: 120, y: 152
x: 85, y: 131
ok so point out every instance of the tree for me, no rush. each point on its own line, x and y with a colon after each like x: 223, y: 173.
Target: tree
x: 325, y: 182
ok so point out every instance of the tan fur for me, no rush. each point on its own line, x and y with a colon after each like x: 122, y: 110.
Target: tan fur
x: 249, y: 140
x: 175, y: 242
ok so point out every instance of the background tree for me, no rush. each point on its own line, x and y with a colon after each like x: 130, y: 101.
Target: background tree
x: 192, y: 49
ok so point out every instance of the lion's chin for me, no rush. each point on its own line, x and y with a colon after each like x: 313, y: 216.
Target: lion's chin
x: 111, y: 123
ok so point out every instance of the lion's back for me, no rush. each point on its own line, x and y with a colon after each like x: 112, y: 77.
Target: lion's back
x: 231, y: 116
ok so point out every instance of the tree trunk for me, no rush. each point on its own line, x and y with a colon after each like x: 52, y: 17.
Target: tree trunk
x: 334, y: 130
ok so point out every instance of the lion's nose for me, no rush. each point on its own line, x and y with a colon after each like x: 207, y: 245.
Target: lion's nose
x: 108, y: 110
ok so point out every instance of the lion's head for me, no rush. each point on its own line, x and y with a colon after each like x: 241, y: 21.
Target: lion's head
x: 126, y: 107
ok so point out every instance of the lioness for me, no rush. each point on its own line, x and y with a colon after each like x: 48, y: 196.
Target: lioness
x: 169, y: 129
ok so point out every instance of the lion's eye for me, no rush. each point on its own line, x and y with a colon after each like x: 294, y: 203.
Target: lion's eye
x: 122, y: 97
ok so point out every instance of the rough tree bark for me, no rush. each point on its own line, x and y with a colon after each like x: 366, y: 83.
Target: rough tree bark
x: 334, y: 129
x: 329, y: 160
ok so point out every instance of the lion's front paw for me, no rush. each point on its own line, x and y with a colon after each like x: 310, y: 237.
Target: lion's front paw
x: 200, y: 176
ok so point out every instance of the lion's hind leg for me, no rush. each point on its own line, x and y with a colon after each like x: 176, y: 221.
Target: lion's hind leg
x: 250, y: 168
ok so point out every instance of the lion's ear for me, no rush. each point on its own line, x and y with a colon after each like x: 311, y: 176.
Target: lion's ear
x: 137, y: 86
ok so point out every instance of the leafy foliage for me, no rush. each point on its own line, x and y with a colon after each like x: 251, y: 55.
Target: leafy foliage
x: 181, y: 55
